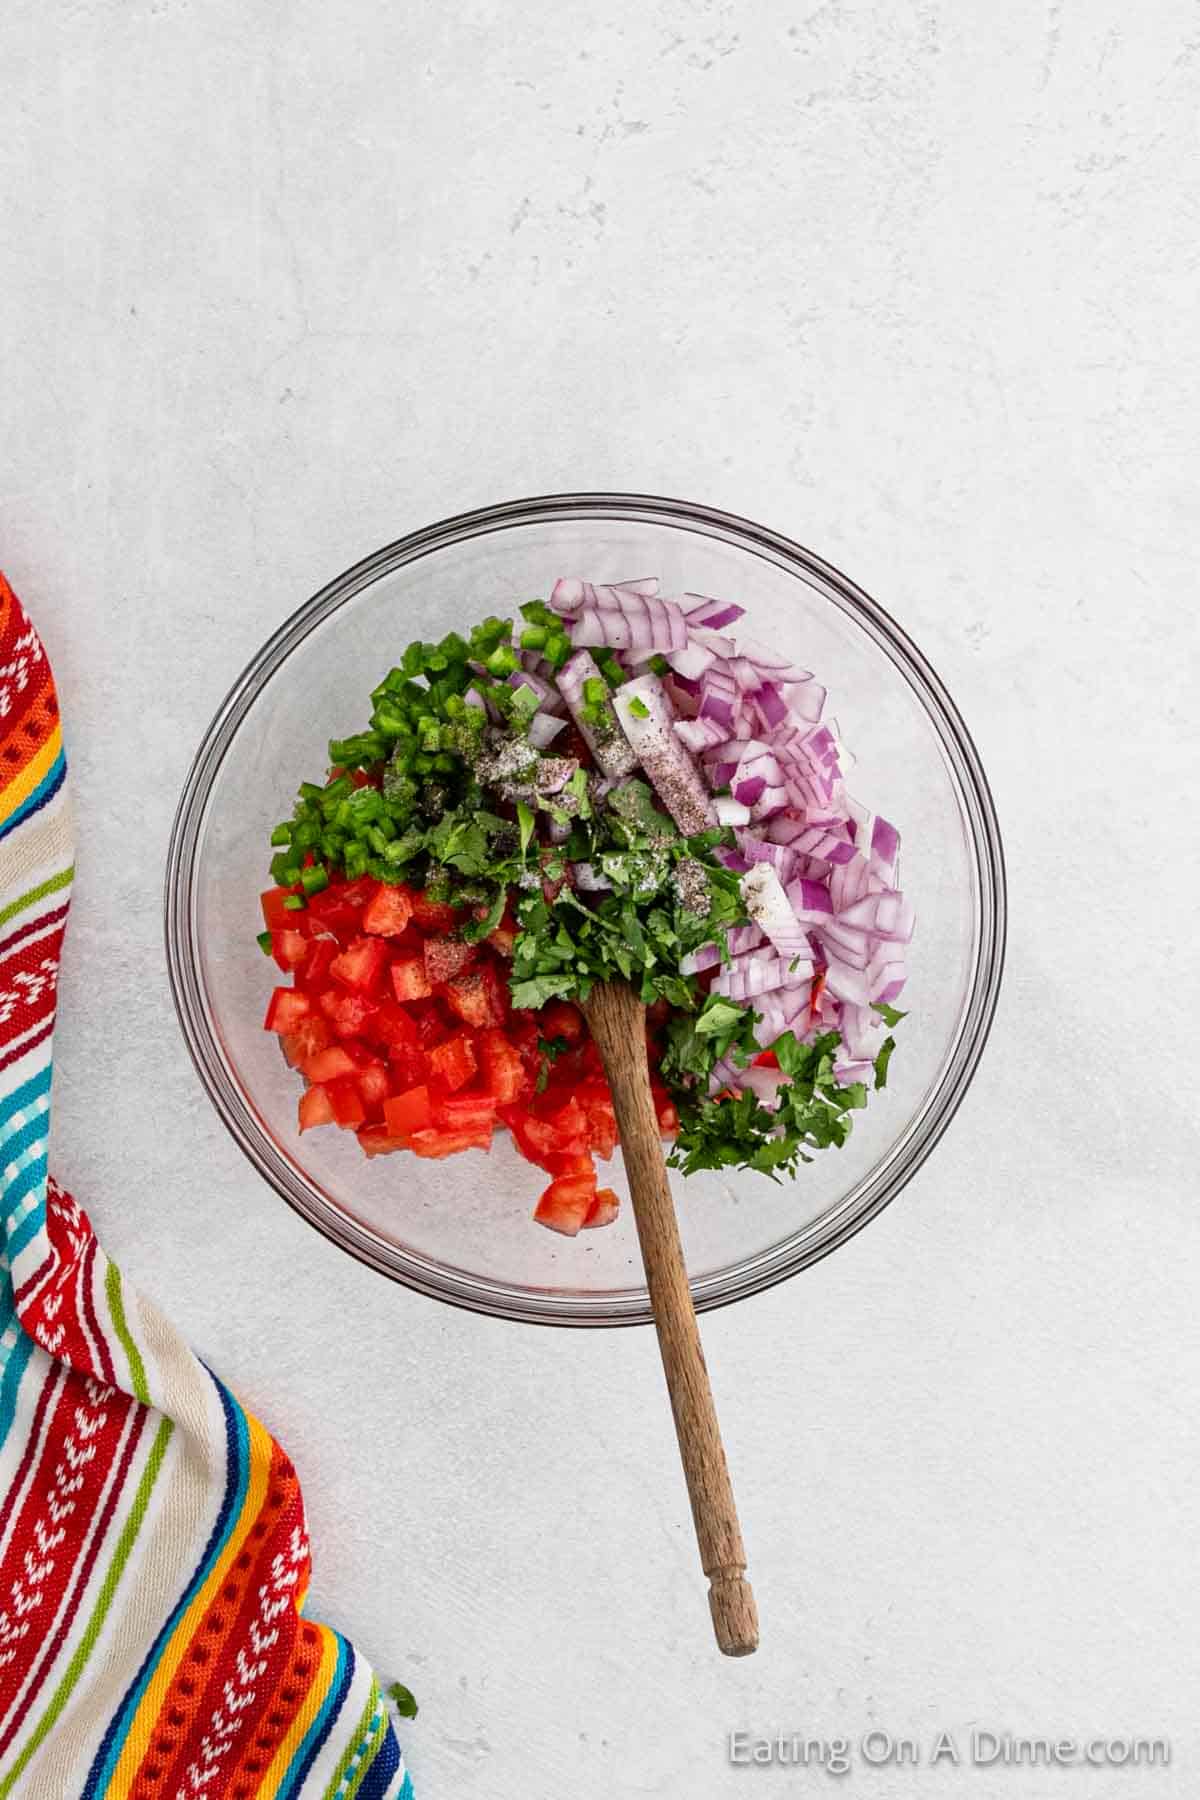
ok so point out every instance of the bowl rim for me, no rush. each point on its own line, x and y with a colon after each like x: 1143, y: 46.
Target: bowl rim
x: 548, y: 1306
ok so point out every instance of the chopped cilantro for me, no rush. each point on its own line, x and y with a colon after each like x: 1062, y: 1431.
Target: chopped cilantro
x: 717, y: 1017
x: 402, y: 1699
x: 888, y: 1013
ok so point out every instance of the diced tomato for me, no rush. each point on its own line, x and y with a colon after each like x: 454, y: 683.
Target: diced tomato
x: 286, y: 1009
x: 566, y: 1203
x: 327, y: 1065
x: 289, y: 947
x: 603, y: 1210
x: 310, y: 1035
x: 503, y: 1070
x: 405, y: 1113
x: 361, y: 966
x: 601, y: 1119
x: 409, y: 980
x: 817, y: 989
x: 360, y: 890
x: 407, y: 1035
x: 477, y: 998
x: 346, y: 1101
x: 516, y: 1118
x: 569, y: 1125
x: 388, y: 912
x: 338, y: 908
x: 668, y: 1120
x: 766, y: 1059
x: 431, y: 1028
x: 349, y: 1014
x: 545, y: 1139
x: 446, y: 957
x: 277, y: 916
x: 433, y: 915
x: 315, y: 1108
x: 392, y: 1024
x: 454, y: 1062
x: 522, y: 1030
x: 561, y: 1019
x: 449, y: 1143
x: 503, y: 938
x: 409, y: 1064
x: 464, y: 1111
x: 313, y: 973
x: 377, y: 1141
x: 374, y: 1084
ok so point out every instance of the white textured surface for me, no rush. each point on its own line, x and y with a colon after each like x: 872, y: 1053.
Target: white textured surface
x: 916, y: 284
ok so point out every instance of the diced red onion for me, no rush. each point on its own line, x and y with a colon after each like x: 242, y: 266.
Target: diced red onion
x: 699, y: 734
x: 691, y: 662
x: 862, y: 1030
x: 749, y: 976
x: 719, y: 708
x: 771, y: 705
x: 566, y: 596
x: 731, y: 859
x: 758, y: 729
x: 544, y: 728
x: 548, y: 698
x: 745, y: 674
x: 744, y: 937
x: 812, y: 897
x: 708, y: 956
x: 656, y: 744
x: 771, y: 910
x: 610, y: 748
x: 846, y: 1073
x: 885, y: 845
x: 894, y: 917
x: 807, y: 700
x: 722, y: 647
x: 623, y: 620
x: 771, y: 801
x: 842, y: 941
x: 847, y: 983
x: 782, y: 668
x: 764, y: 1084
x: 715, y: 613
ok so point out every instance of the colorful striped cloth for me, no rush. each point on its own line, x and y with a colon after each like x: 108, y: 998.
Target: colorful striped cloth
x: 153, y: 1552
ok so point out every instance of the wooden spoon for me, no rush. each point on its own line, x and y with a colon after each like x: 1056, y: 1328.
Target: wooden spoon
x: 617, y: 1020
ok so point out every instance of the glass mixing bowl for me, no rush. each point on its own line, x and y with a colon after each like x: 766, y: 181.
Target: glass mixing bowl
x: 460, y: 1229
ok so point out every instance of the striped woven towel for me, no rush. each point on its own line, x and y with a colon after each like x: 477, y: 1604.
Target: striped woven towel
x: 153, y: 1552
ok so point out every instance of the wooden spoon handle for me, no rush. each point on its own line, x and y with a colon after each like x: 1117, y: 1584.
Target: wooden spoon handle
x: 617, y: 1020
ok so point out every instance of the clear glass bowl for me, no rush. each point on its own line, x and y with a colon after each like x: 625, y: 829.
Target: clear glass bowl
x: 460, y: 1229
